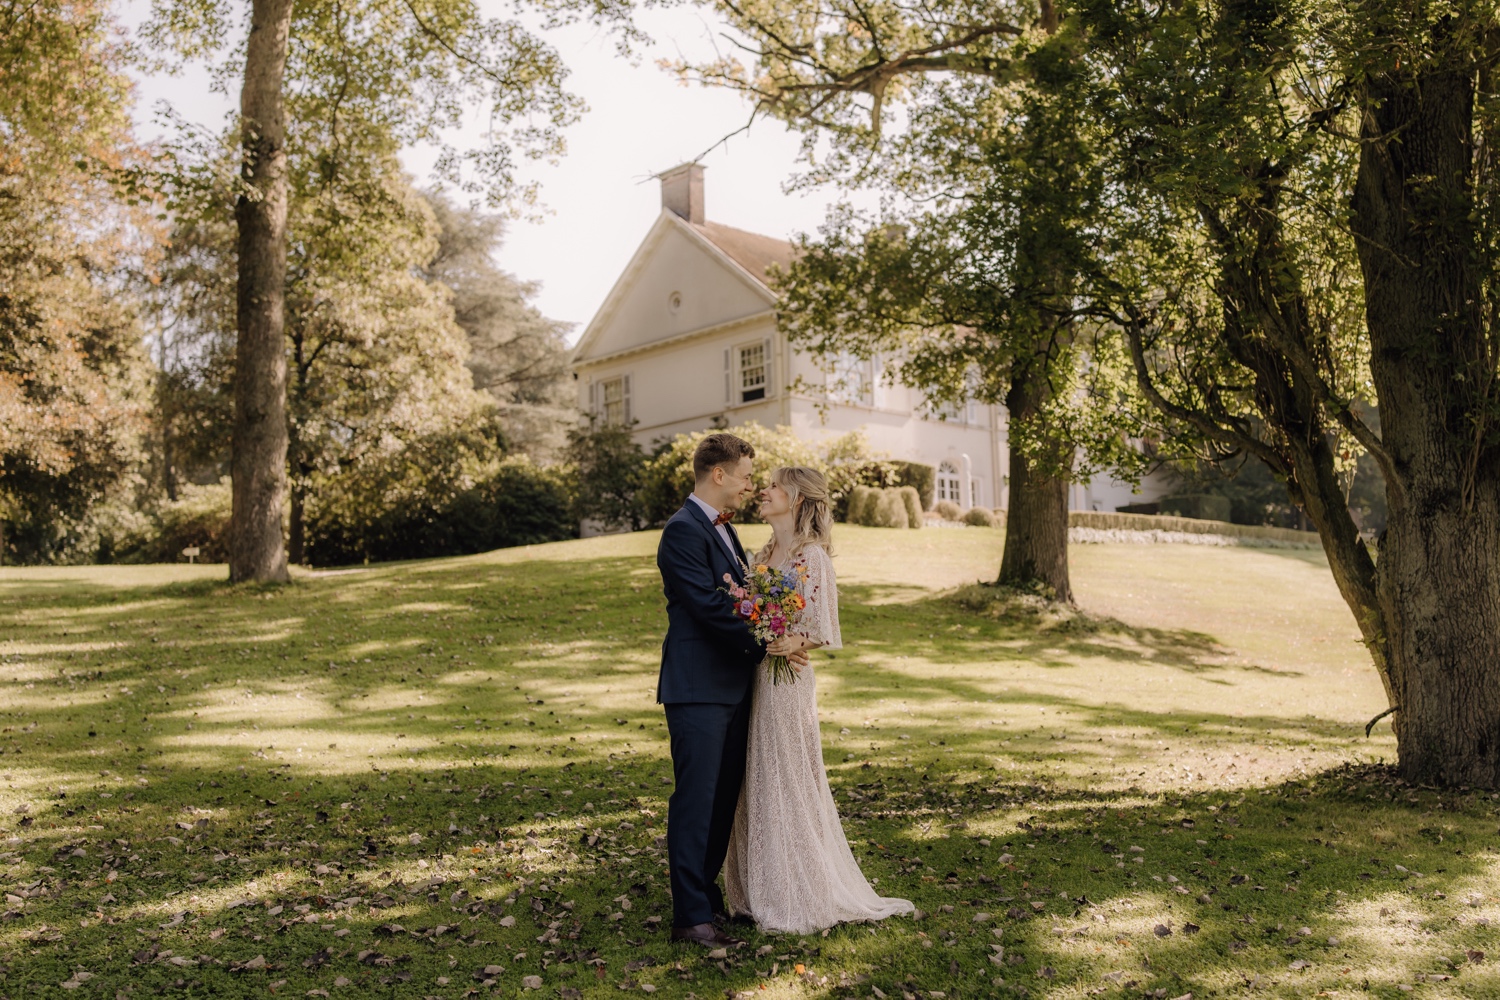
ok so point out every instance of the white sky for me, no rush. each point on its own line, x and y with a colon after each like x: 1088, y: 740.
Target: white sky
x: 601, y: 197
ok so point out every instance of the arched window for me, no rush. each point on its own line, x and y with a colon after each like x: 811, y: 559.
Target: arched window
x: 949, y: 484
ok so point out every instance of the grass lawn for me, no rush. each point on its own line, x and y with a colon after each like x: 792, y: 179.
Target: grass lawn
x: 449, y: 778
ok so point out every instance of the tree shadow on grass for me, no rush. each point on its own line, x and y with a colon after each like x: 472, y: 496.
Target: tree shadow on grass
x: 250, y: 877
x: 422, y: 839
x: 1018, y: 626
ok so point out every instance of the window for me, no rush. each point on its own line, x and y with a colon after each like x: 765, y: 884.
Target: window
x: 948, y: 413
x: 949, y: 485
x: 754, y: 378
x: 851, y: 379
x: 613, y: 402
x: 747, y: 373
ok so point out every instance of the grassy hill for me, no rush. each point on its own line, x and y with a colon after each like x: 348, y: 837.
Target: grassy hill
x: 388, y: 780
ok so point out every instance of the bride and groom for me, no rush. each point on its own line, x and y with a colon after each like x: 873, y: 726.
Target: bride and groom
x: 751, y: 793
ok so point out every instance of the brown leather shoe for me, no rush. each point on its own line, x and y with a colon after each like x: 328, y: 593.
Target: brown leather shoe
x: 707, y: 935
x: 722, y: 919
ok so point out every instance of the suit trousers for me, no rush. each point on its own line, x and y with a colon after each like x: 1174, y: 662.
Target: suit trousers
x: 708, y: 764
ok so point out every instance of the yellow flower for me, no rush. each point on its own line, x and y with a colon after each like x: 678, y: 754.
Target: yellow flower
x: 760, y: 567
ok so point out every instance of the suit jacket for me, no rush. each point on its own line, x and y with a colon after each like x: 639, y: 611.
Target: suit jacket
x: 709, y: 655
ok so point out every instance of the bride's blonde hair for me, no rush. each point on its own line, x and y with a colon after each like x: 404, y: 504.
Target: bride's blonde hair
x: 812, y: 519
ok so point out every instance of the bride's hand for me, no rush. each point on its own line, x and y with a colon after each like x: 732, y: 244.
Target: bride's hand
x: 788, y: 645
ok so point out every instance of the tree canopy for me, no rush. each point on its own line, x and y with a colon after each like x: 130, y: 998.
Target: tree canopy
x: 73, y: 379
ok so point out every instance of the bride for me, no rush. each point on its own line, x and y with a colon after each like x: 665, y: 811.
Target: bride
x: 789, y: 867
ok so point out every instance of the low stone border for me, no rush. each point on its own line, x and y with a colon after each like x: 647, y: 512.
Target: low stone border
x: 1114, y: 521
x: 1121, y: 536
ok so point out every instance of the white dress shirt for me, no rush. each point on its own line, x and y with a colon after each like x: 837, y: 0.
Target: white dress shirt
x: 722, y: 529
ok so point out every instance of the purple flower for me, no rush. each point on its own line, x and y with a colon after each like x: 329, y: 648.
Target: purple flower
x: 746, y: 608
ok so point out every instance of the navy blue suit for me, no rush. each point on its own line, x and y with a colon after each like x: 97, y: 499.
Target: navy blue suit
x: 708, y: 663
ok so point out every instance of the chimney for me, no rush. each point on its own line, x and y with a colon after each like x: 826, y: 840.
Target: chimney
x: 682, y: 191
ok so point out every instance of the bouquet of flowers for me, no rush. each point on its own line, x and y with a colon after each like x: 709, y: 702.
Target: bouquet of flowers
x: 771, y: 603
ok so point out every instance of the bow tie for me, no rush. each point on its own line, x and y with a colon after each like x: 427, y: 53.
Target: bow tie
x: 724, y: 517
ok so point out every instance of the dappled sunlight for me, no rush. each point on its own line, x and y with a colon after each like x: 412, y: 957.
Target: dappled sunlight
x: 421, y: 607
x: 232, y: 707
x: 14, y: 648
x: 465, y: 741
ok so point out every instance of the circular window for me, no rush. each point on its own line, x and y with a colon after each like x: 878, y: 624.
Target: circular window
x: 674, y: 302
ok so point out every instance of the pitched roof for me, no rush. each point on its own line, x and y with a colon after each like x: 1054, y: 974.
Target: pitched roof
x: 752, y: 251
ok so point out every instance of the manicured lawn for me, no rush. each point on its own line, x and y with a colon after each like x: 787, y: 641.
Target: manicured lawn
x: 388, y: 780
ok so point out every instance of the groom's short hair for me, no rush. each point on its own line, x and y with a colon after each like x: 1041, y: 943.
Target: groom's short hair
x: 719, y: 449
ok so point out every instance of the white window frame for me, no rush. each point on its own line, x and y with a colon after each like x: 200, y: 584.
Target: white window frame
x: 950, y: 482
x: 851, y: 380
x: 744, y: 382
x: 603, y: 401
x: 946, y: 412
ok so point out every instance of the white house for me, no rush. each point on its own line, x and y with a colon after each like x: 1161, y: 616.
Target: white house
x: 687, y: 338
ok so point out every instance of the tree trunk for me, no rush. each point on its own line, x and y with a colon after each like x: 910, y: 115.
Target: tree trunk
x: 297, y: 525
x: 258, y: 463
x: 168, y: 458
x: 1036, y: 523
x: 1433, y: 360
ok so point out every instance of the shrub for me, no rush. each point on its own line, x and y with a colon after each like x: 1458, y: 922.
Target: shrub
x: 861, y: 506
x: 913, y: 504
x: 890, y: 510
x: 511, y: 502
x: 199, y: 517
x: 1203, y: 506
x: 609, y: 469
x: 980, y: 517
x: 667, y: 478
x: 949, y: 511
x: 920, y: 477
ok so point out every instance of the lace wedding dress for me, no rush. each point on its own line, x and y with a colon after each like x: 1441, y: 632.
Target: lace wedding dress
x: 789, y: 865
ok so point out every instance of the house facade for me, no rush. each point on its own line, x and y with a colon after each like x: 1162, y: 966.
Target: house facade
x: 687, y: 339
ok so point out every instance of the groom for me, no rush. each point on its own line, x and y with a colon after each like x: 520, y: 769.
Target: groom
x: 708, y: 666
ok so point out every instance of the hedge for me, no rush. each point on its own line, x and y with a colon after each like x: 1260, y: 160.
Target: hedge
x: 1112, y: 520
